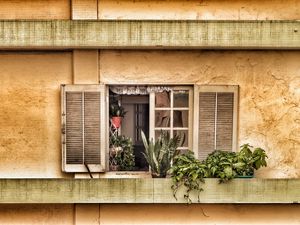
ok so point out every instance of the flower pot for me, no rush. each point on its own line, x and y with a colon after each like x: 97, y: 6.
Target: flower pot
x: 116, y: 121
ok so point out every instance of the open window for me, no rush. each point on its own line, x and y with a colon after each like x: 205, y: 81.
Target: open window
x: 151, y: 109
x: 205, y: 116
x: 171, y: 111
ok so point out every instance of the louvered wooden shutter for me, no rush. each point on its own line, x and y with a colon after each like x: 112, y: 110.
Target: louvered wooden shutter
x: 215, y: 119
x: 83, y: 128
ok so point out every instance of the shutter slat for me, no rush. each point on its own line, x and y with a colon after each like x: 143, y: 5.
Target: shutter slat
x: 206, y: 140
x: 74, y: 132
x: 224, y: 121
x: 92, y: 127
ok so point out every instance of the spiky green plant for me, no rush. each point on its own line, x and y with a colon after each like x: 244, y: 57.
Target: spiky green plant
x: 160, y: 154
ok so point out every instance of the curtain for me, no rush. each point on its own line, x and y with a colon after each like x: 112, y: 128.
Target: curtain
x: 138, y: 90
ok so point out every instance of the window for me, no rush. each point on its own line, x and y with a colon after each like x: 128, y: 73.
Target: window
x: 215, y: 117
x: 171, y: 111
x: 205, y: 116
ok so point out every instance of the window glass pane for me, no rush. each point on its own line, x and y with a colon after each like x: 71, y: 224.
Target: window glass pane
x: 162, y: 118
x: 183, y: 134
x: 181, y: 98
x: 158, y: 133
x: 181, y: 118
x: 162, y: 99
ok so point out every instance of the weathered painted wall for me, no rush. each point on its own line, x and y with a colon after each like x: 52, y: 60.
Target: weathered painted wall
x: 30, y: 106
x: 158, y: 9
x: 165, y: 214
x: 203, y: 10
x: 31, y: 214
x: 30, y: 112
x: 35, y: 9
x: 269, y: 91
x: 199, y: 214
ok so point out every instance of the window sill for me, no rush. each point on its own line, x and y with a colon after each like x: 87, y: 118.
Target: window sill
x: 132, y: 190
x: 115, y: 174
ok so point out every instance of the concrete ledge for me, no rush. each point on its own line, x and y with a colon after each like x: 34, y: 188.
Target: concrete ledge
x: 145, y: 191
x: 79, y: 34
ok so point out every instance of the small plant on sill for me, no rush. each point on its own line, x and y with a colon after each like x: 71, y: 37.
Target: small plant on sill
x: 189, y: 172
x: 121, y: 156
x: 160, y: 154
x: 116, y: 113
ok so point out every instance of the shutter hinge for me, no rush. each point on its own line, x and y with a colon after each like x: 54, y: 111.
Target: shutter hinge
x: 63, y: 129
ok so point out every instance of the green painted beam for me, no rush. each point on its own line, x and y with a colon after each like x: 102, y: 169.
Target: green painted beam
x: 145, y: 191
x: 140, y: 34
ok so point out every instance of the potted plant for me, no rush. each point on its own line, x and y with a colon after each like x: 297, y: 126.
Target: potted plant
x: 189, y: 172
x: 116, y: 112
x: 160, y: 154
x: 121, y: 156
x: 249, y: 160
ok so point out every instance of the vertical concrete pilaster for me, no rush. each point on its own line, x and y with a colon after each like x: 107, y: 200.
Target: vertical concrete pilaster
x: 84, y: 9
x: 85, y: 67
x: 85, y: 71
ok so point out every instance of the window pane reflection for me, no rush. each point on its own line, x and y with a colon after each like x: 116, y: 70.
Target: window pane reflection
x: 181, y: 98
x: 162, y: 99
x: 181, y: 118
x: 183, y: 134
x: 162, y: 118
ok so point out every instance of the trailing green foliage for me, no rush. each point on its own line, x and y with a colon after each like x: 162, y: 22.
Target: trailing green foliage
x: 121, y: 152
x: 189, y: 172
x: 160, y: 154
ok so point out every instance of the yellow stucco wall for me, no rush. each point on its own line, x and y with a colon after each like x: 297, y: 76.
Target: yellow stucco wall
x: 30, y: 106
x: 269, y: 91
x: 30, y: 112
x: 203, y: 10
x: 141, y: 9
x: 33, y: 214
x: 199, y: 214
x: 35, y: 9
x: 165, y: 214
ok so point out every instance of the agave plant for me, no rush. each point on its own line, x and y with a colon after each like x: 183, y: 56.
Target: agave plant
x: 160, y: 154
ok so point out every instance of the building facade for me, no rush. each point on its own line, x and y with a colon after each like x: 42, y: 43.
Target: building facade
x: 265, y: 70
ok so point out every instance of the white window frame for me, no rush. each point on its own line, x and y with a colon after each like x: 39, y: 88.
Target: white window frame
x: 152, y: 109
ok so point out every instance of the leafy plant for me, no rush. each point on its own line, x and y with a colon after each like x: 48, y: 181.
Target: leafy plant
x: 189, y: 172
x: 121, y: 152
x: 115, y: 109
x: 220, y: 164
x: 160, y: 154
x: 249, y: 160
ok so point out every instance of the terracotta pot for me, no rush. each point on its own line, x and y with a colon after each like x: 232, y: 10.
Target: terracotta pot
x: 116, y: 121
